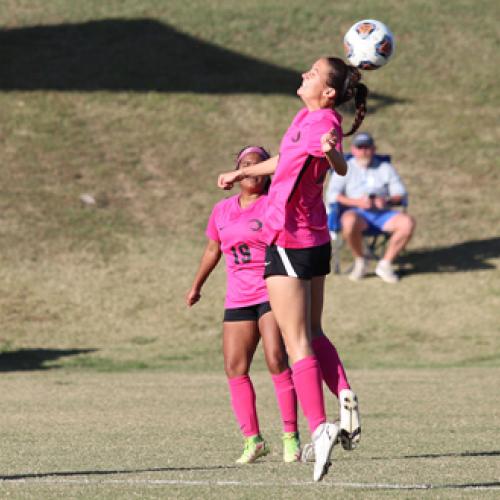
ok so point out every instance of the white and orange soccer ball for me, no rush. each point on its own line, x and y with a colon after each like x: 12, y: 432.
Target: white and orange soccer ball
x: 369, y: 44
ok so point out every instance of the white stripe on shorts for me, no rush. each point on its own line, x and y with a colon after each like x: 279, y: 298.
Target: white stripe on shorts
x: 286, y: 262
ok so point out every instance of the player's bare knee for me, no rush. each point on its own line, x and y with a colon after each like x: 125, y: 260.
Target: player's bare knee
x: 277, y: 362
x: 235, y: 368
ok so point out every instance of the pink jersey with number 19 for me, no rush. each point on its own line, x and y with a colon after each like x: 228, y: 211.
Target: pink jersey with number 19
x: 239, y: 232
x: 296, y: 215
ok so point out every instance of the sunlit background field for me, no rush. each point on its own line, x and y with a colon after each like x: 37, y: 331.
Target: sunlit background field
x: 140, y: 103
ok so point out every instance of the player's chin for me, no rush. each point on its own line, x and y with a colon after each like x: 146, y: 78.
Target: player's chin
x: 251, y: 182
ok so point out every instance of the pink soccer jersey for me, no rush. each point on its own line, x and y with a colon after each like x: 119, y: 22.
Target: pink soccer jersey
x: 296, y: 214
x: 239, y: 231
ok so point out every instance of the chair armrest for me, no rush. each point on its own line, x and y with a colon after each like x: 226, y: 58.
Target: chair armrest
x: 403, y: 203
x: 334, y: 217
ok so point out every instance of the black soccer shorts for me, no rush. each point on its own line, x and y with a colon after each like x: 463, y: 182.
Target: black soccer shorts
x: 248, y: 313
x: 302, y: 263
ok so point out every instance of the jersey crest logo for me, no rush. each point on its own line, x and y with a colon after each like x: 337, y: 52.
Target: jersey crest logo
x: 297, y: 137
x: 255, y: 224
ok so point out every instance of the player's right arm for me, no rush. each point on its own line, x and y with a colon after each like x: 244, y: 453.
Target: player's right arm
x: 266, y: 167
x: 209, y: 260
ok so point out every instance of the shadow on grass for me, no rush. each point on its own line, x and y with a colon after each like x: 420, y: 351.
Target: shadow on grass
x: 37, y: 475
x: 493, y: 453
x: 138, y: 55
x: 467, y: 256
x: 35, y: 359
x: 466, y: 486
x: 489, y: 453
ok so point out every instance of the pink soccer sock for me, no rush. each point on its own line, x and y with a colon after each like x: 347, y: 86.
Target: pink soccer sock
x: 308, y: 385
x: 243, y: 402
x: 287, y: 399
x: 330, y: 364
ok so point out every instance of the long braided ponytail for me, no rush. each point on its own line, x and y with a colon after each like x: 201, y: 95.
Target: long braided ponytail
x: 345, y: 79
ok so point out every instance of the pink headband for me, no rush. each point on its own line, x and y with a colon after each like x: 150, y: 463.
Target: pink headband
x: 253, y: 149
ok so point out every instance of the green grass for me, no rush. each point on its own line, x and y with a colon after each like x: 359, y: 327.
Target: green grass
x: 83, y: 435
x: 99, y: 353
x: 78, y: 277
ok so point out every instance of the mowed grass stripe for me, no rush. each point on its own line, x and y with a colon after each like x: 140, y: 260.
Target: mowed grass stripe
x: 251, y: 484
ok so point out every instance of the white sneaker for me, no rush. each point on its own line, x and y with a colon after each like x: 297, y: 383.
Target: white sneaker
x: 307, y: 454
x: 324, y: 437
x: 350, y: 423
x: 358, y: 270
x: 384, y: 270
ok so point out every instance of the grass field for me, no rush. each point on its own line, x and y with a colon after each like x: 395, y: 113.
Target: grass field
x: 82, y: 435
x: 140, y: 103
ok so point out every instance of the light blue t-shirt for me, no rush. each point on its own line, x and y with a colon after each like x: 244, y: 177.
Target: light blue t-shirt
x: 380, y: 179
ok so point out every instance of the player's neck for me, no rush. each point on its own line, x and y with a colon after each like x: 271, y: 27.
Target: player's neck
x: 311, y: 104
x: 315, y: 104
x: 247, y: 199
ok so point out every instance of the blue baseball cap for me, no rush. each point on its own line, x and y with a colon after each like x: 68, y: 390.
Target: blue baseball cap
x: 363, y: 139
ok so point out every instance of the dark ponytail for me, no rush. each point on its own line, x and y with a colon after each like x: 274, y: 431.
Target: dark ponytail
x: 360, y: 95
x: 345, y: 79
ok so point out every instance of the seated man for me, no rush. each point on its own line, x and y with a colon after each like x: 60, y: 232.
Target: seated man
x: 369, y: 189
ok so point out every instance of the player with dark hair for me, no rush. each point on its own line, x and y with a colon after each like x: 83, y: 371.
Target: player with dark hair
x: 235, y: 230
x: 299, y: 249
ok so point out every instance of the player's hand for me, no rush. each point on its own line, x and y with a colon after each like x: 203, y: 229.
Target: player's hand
x: 329, y: 141
x: 365, y: 203
x: 227, y: 180
x: 192, y: 297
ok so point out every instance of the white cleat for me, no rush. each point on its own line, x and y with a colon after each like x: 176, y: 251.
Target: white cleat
x: 350, y: 423
x: 323, y: 438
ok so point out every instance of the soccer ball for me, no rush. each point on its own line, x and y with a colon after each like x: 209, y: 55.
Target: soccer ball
x: 369, y: 44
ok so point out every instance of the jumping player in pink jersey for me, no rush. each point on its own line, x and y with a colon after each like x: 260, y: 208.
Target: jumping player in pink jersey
x: 235, y: 230
x: 299, y: 250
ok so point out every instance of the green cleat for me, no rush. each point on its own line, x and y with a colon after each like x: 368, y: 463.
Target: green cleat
x: 255, y: 447
x: 291, y: 447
